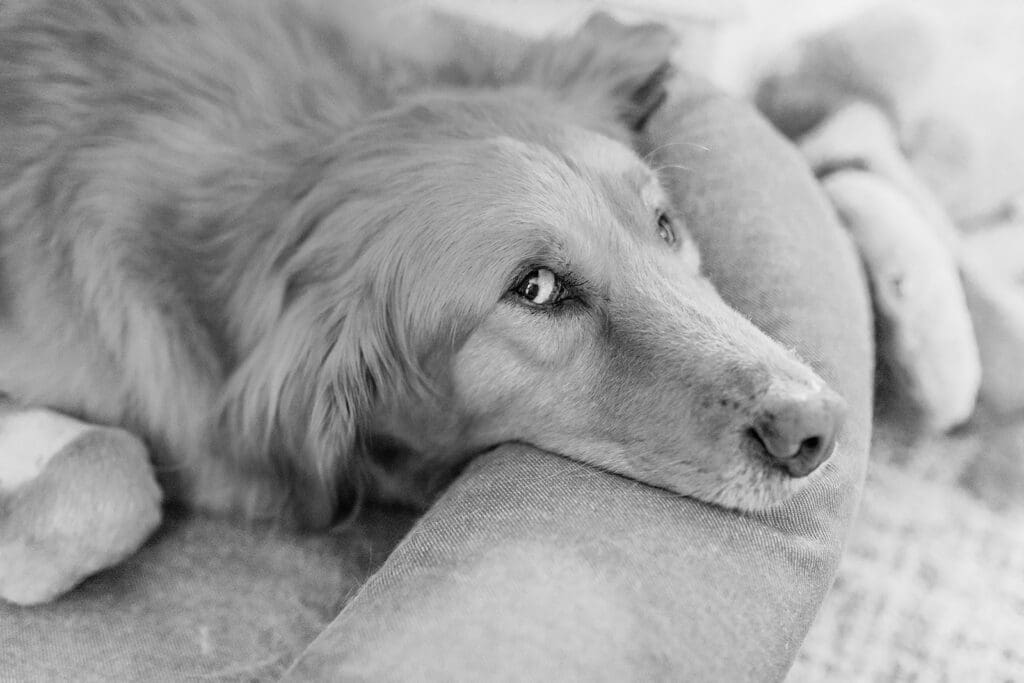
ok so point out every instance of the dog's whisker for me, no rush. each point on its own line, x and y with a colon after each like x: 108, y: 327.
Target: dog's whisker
x: 677, y: 143
x: 677, y: 167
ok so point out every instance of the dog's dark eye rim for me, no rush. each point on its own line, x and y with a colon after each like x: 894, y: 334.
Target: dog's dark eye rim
x: 533, y: 283
x: 565, y: 288
x: 666, y: 228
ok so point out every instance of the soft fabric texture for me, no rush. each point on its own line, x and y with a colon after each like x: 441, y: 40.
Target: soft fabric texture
x: 204, y: 599
x: 930, y: 587
x: 532, y: 566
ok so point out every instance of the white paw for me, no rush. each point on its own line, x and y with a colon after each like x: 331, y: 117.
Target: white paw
x: 74, y: 499
x: 29, y: 439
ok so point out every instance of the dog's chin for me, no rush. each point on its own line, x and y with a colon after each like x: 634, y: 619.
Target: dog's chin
x: 749, y: 479
x: 751, y: 484
x: 752, y: 487
x: 742, y: 479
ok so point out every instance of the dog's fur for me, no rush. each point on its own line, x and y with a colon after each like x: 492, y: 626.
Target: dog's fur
x: 286, y: 255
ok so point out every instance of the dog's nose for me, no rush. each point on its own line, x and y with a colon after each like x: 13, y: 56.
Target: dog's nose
x: 798, y: 428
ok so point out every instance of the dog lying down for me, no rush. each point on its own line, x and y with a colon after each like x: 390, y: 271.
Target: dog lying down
x: 307, y: 267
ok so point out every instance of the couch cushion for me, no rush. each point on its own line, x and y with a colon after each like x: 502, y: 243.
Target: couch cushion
x: 203, y: 598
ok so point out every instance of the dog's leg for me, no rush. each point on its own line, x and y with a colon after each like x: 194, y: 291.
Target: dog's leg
x: 75, y: 498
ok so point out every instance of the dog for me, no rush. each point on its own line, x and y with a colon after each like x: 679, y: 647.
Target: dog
x: 308, y: 263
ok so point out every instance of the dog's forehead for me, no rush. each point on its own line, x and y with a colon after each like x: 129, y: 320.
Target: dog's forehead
x: 589, y: 157
x: 603, y: 157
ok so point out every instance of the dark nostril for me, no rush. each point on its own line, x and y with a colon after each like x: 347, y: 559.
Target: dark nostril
x: 812, y: 453
x: 798, y: 430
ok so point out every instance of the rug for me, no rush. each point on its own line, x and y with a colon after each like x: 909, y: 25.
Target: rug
x: 931, y: 587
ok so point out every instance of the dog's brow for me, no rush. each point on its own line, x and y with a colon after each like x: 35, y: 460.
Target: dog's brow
x: 645, y: 183
x: 605, y: 156
x: 650, y: 190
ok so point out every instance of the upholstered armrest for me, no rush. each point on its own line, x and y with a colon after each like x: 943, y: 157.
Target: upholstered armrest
x: 534, y: 567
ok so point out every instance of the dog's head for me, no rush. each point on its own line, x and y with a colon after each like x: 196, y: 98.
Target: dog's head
x: 486, y: 269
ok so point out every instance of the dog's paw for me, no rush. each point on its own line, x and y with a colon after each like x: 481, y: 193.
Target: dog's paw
x: 74, y: 499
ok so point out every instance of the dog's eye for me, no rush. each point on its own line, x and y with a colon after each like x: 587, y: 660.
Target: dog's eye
x: 666, y: 230
x: 541, y: 287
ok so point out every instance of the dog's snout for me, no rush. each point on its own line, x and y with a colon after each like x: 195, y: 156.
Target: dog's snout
x: 798, y: 429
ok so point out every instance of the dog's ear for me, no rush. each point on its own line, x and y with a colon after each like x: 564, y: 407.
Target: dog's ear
x: 302, y: 400
x: 608, y: 68
x: 295, y: 404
